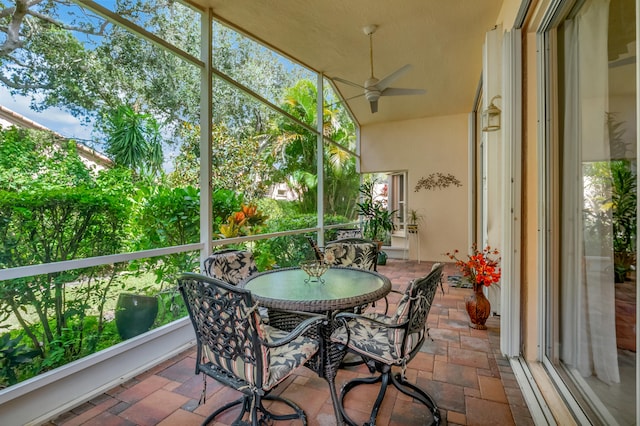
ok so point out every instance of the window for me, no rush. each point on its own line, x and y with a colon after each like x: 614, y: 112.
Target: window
x: 397, y: 198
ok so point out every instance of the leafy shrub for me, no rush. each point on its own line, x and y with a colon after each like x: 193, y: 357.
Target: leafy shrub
x: 289, y: 250
x: 13, y: 356
x: 53, y: 225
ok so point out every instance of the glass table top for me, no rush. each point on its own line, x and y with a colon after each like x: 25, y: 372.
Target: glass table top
x: 342, y: 288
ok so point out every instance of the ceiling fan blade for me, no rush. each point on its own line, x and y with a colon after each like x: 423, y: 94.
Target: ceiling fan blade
x: 354, y: 97
x: 374, y: 106
x: 393, y: 91
x: 385, y: 82
x: 344, y: 101
x: 341, y: 80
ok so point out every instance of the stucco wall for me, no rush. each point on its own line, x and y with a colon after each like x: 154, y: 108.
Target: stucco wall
x: 421, y: 147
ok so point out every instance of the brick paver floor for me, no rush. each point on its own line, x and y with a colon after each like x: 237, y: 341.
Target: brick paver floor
x: 461, y: 368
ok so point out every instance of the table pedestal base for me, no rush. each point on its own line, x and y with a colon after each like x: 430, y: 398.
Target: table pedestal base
x: 329, y: 358
x: 333, y: 356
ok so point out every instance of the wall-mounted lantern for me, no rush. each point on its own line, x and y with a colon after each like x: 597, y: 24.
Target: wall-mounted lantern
x: 491, y: 117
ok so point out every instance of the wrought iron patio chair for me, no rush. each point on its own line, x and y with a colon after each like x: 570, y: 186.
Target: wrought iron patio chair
x: 348, y: 233
x: 352, y: 252
x: 231, y: 266
x: 238, y: 350
x: 317, y: 251
x: 388, y: 341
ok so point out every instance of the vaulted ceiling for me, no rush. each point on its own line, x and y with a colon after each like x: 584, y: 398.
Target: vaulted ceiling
x: 441, y: 39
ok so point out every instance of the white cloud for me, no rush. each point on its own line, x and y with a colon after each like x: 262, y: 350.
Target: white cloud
x: 55, y: 119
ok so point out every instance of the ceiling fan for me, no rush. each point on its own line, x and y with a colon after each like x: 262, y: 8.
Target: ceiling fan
x: 374, y: 88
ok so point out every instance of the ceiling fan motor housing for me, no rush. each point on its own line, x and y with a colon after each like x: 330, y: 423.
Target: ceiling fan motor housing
x: 371, y: 92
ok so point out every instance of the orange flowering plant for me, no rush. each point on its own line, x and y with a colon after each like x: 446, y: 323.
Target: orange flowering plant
x: 482, y: 267
x: 243, y: 222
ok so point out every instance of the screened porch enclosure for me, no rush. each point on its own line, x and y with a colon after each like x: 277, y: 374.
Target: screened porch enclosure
x: 78, y: 237
x: 217, y: 141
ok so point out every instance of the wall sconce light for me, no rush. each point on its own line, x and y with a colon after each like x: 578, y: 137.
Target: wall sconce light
x: 491, y: 117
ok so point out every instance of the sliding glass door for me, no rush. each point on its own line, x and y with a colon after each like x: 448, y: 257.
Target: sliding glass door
x: 592, y: 338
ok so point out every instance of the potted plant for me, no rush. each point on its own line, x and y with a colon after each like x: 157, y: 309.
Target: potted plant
x: 623, y: 202
x: 414, y: 220
x: 377, y: 218
x: 481, y: 269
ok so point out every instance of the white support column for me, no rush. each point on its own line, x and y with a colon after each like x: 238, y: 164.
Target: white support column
x: 411, y: 236
x: 320, y: 158
x: 511, y: 188
x: 493, y: 160
x: 407, y: 246
x: 206, y: 106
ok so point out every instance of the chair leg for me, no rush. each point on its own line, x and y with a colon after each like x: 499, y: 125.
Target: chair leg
x: 383, y: 378
x: 258, y: 413
x: 267, y: 415
x: 245, y: 400
x: 415, y: 392
x: 398, y: 381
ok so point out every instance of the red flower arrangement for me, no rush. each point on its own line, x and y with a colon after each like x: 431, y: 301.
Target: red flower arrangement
x: 480, y: 268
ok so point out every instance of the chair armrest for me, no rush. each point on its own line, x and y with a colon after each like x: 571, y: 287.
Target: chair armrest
x: 304, y: 326
x: 317, y: 251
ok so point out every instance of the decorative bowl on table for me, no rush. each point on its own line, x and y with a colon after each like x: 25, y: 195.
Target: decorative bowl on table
x: 314, y: 269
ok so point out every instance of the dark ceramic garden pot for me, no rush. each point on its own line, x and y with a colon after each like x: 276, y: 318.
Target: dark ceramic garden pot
x: 135, y: 314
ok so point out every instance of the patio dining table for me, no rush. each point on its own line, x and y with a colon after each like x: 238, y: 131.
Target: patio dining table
x: 285, y: 290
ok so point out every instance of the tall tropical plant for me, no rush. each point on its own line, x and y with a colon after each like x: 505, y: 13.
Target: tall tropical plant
x: 293, y: 148
x: 624, y: 215
x: 134, y: 140
x: 378, y: 219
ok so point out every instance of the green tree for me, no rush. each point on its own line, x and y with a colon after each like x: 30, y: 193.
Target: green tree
x: 74, y: 59
x: 293, y: 148
x: 62, y: 55
x: 237, y: 163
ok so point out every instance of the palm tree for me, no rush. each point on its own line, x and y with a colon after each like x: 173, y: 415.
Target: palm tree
x: 294, y: 150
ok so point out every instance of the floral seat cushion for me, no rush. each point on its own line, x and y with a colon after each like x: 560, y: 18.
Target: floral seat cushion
x: 278, y: 362
x: 231, y: 266
x: 355, y: 255
x: 377, y: 342
x: 348, y: 233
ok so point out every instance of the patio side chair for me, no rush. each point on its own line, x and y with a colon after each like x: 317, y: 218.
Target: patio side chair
x: 231, y: 266
x: 352, y: 252
x: 348, y: 233
x: 391, y: 341
x: 317, y: 251
x: 237, y: 349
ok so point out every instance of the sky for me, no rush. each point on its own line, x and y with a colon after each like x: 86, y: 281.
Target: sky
x: 65, y: 124
x: 55, y: 119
